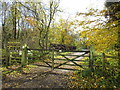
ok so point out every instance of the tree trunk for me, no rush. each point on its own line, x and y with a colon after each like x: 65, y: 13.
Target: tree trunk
x: 14, y: 21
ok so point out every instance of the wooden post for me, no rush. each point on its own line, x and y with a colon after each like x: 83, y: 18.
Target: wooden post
x: 7, y: 57
x: 103, y: 61
x: 53, y: 60
x: 119, y: 52
x: 24, y: 56
x: 10, y: 58
x: 91, y: 58
x: 6, y: 52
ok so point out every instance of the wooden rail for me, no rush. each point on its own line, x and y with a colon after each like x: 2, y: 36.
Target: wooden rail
x: 24, y: 58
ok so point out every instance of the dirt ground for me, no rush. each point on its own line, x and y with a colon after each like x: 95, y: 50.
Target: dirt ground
x: 39, y: 77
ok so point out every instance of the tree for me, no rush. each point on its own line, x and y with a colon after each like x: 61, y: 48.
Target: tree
x: 42, y: 18
x: 113, y: 12
x: 11, y: 16
x: 113, y: 9
x: 62, y: 32
x: 99, y: 33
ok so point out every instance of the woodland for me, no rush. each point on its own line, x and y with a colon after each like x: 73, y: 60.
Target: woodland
x: 30, y: 28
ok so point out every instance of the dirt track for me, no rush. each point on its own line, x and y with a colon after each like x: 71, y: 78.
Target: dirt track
x: 40, y: 77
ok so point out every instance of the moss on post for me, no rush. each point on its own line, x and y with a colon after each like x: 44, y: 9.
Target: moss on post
x: 24, y: 56
x: 91, y: 57
x: 103, y: 61
x: 52, y: 60
x: 7, y: 57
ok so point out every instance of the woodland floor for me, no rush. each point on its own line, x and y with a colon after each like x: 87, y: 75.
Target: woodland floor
x: 38, y: 77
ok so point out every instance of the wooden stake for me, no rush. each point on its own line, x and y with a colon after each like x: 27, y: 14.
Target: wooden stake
x: 24, y: 56
x: 103, y: 61
x: 53, y: 60
x: 91, y: 58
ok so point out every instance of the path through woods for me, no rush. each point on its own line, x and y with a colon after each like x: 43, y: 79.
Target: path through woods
x: 39, y: 77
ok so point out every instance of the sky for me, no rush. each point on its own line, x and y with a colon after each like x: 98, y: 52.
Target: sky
x: 70, y: 7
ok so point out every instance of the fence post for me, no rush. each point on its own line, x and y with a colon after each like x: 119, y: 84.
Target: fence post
x: 52, y: 59
x: 7, y: 57
x: 118, y: 50
x: 103, y: 61
x: 10, y: 58
x: 24, y: 56
x: 91, y: 58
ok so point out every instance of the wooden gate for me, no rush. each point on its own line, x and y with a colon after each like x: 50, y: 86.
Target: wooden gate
x: 12, y: 53
x: 67, y: 60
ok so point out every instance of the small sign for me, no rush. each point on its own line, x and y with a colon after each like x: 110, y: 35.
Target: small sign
x: 60, y: 50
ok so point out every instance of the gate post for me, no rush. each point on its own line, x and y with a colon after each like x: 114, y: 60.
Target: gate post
x: 7, y: 57
x: 24, y: 56
x: 91, y: 58
x: 52, y: 59
x: 10, y: 59
x: 103, y: 61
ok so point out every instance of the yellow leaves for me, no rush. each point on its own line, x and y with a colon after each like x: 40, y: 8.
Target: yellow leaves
x: 84, y: 33
x: 68, y: 40
x: 71, y: 23
x: 73, y: 78
x: 101, y: 38
x: 31, y: 20
x: 103, y: 35
x: 103, y: 11
x: 82, y: 23
x: 89, y: 14
x: 112, y: 53
x: 14, y: 74
x: 100, y: 79
x: 62, y: 32
x: 117, y: 14
x: 3, y: 68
